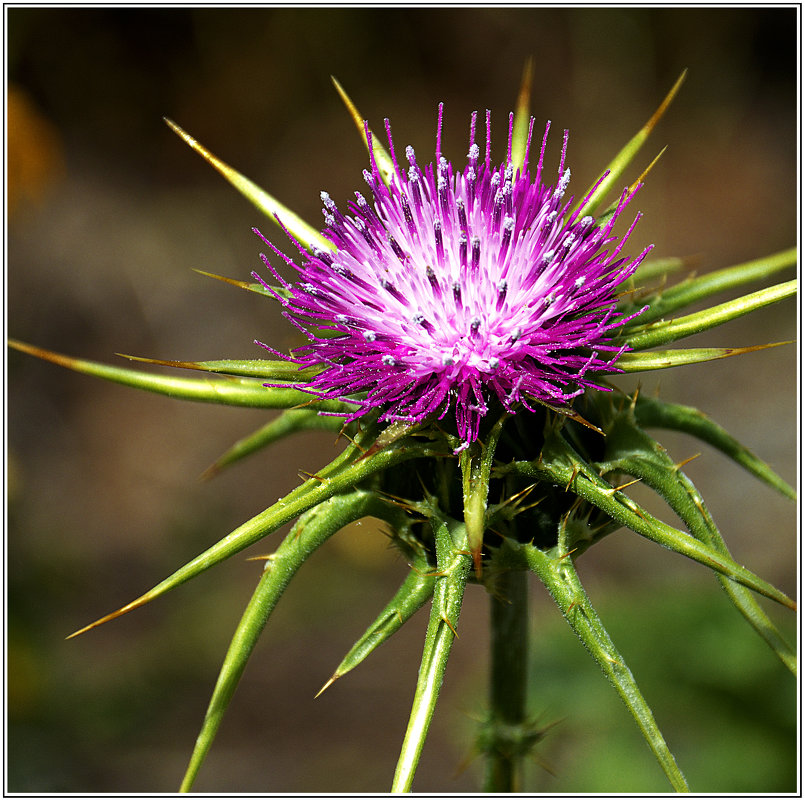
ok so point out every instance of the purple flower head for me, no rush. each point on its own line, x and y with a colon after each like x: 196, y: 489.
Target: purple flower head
x: 455, y: 288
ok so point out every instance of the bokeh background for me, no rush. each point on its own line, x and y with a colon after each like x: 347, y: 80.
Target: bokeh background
x: 109, y: 213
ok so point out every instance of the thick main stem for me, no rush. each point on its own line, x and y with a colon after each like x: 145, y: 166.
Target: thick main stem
x: 507, y: 683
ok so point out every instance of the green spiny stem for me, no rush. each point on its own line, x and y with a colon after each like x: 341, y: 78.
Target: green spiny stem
x: 521, y: 115
x: 561, y: 466
x: 381, y: 156
x: 559, y: 576
x: 650, y: 270
x: 624, y: 157
x: 453, y: 563
x: 507, y: 683
x: 640, y: 362
x: 243, y: 368
x: 311, y: 531
x: 634, y: 453
x: 476, y: 467
x: 268, y: 204
x: 476, y: 489
x: 655, y: 413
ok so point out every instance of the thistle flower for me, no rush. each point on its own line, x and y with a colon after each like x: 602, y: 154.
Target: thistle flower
x: 456, y: 289
x: 477, y: 292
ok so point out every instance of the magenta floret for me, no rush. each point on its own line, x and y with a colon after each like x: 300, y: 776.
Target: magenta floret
x: 453, y: 288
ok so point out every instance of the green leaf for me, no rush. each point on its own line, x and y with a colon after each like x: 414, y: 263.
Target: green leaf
x: 269, y: 205
x: 631, y: 451
x: 289, y: 422
x: 522, y: 116
x: 625, y: 157
x: 246, y: 368
x: 250, y: 286
x: 225, y: 391
x: 605, y: 216
x: 660, y: 333
x: 453, y: 565
x: 656, y: 413
x: 562, y: 466
x: 409, y: 598
x: 560, y: 578
x: 651, y: 269
x: 695, y: 289
x: 341, y: 475
x: 311, y: 531
x: 662, y: 359
x: 476, y: 465
x: 383, y: 160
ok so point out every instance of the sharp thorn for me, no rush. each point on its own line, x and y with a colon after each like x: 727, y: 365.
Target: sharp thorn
x: 266, y: 558
x: 681, y: 464
x: 450, y: 626
x: 106, y: 618
x: 627, y: 484
x: 327, y: 684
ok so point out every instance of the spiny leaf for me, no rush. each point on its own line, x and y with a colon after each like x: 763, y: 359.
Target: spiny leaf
x: 661, y: 359
x: 622, y: 160
x: 383, y: 160
x: 651, y: 269
x: 522, y: 116
x: 412, y: 594
x: 693, y: 290
x: 310, y: 532
x: 476, y: 465
x: 227, y: 391
x: 609, y: 212
x: 339, y: 476
x: 453, y: 565
x: 630, y: 450
x: 562, y: 466
x: 251, y: 368
x: 569, y: 412
x: 392, y: 433
x: 269, y: 205
x: 660, y: 333
x: 255, y: 286
x: 560, y: 578
x: 289, y: 422
x: 655, y: 413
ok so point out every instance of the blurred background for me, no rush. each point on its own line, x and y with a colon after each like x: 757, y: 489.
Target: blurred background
x: 109, y: 213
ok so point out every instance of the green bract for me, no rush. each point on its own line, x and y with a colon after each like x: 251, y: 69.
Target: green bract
x: 531, y: 495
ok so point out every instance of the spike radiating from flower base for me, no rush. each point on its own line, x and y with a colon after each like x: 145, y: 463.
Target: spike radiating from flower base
x: 656, y: 413
x: 311, y: 530
x: 562, y: 581
x: 453, y: 563
x: 259, y: 197
x: 630, y: 451
x: 616, y: 167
